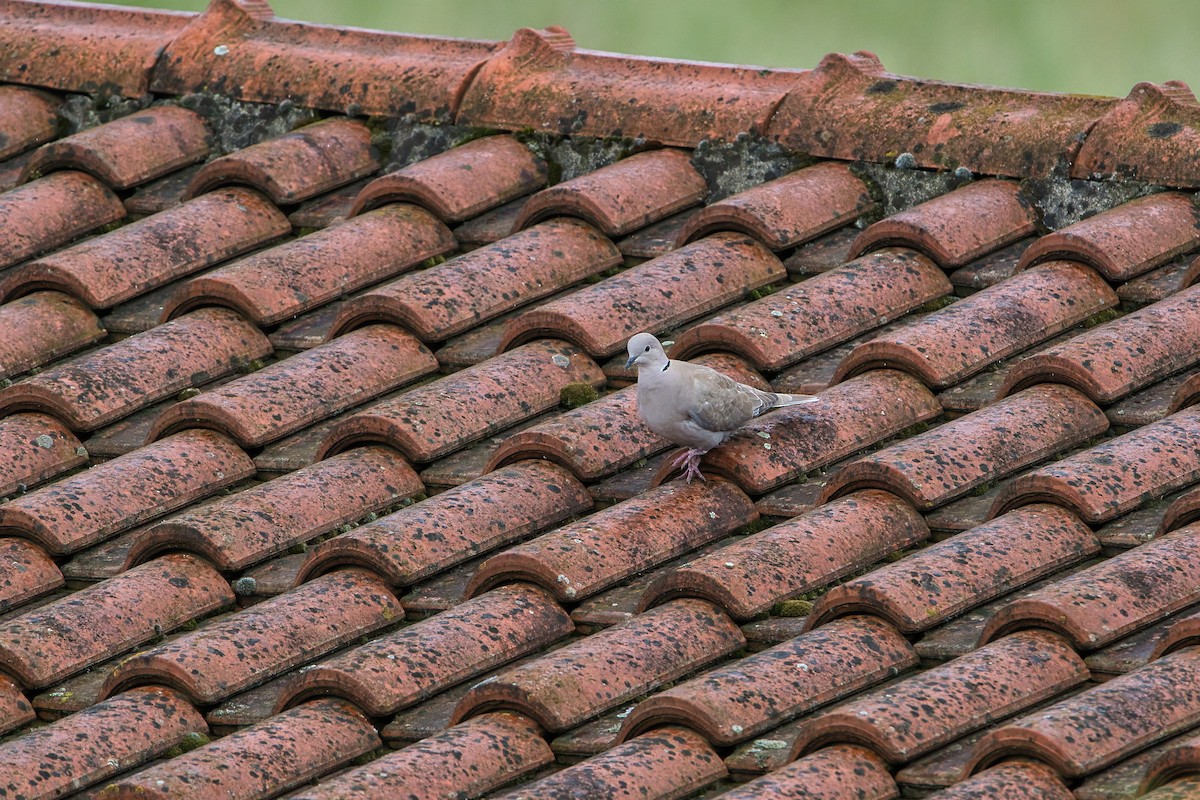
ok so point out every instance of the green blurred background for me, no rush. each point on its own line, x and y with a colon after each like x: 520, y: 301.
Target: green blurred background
x: 1097, y: 47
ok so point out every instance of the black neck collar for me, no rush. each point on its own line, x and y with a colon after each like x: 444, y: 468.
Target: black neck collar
x: 664, y: 369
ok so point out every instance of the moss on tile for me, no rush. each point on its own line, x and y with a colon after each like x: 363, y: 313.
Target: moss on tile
x: 749, y: 160
x: 569, y: 157
x: 574, y: 395
x: 236, y: 124
x: 896, y: 188
x: 80, y: 111
x: 1061, y: 200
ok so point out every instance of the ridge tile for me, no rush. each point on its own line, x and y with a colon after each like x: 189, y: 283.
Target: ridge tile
x: 541, y: 75
x: 97, y: 503
x: 802, y: 319
x: 105, y: 385
x: 399, y: 669
x: 461, y: 183
x: 456, y: 525
x: 957, y: 227
x: 295, y: 166
x: 600, y: 672
x: 291, y: 394
x: 284, y: 281
x: 584, y: 557
x: 154, y: 251
x: 735, y: 702
x: 130, y: 150
x: 622, y: 197
x: 804, y: 553
x: 245, y: 648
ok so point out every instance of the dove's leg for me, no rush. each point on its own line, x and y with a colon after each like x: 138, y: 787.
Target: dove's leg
x: 689, y: 460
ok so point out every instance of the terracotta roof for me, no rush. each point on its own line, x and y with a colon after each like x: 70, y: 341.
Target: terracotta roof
x: 322, y: 472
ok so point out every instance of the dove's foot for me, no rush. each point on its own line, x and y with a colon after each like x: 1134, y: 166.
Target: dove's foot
x: 689, y: 460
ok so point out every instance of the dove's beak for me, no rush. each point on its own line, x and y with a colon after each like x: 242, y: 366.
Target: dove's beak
x: 630, y: 362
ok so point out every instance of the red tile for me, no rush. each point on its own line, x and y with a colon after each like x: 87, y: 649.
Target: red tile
x: 734, y: 703
x: 963, y: 338
x: 42, y: 327
x: 990, y: 269
x: 1139, y: 649
x: 286, y: 751
x: 957, y: 227
x: 1018, y: 779
x: 658, y: 239
x: 780, y: 446
x: 490, y: 226
x: 470, y: 463
x: 269, y: 60
x: 1152, y: 521
x: 1161, y: 283
x: 1157, y: 401
x: 666, y: 764
x: 453, y: 297
x: 15, y: 709
x: 1111, y: 360
x: 934, y: 467
x: 1183, y: 632
x: 622, y: 197
x: 505, y: 390
x: 964, y: 633
x: 456, y: 525
x: 29, y: 116
x: 468, y: 760
x: 1125, y: 780
x: 237, y: 531
x: 114, y: 496
x: 97, y: 743
x: 159, y: 195
x: 275, y: 285
x: 239, y: 650
x: 1116, y: 476
x: 600, y: 672
x: 10, y: 171
x: 326, y: 209
x: 691, y: 281
x: 82, y: 48
x: 921, y: 713
x: 33, y: 449
x: 804, y: 553
x: 270, y: 403
x: 1178, y: 789
x: 1183, y: 758
x: 1125, y: 241
x: 787, y: 211
x: 26, y: 572
x: 1148, y: 136
x: 462, y: 182
x: 1102, y: 725
x: 821, y: 255
x: 61, y: 638
x: 51, y: 211
x: 806, y: 318
x: 832, y: 773
x: 100, y: 387
x: 398, y: 669
x: 296, y: 166
x: 941, y: 581
x: 581, y: 558
x: 129, y: 150
x: 1118, y: 596
x: 851, y: 108
x: 154, y: 251
x: 541, y: 79
x: 307, y: 330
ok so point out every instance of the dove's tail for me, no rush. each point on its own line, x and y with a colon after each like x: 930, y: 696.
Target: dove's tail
x: 782, y: 400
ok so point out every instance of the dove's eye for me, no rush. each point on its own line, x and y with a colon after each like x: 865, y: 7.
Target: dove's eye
x: 647, y: 348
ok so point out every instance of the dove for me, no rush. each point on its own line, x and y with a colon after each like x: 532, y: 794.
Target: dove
x: 693, y: 405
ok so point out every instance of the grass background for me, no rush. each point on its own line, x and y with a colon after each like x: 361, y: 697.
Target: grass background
x: 1084, y: 46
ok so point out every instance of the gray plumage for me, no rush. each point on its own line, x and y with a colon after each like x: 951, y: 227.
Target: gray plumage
x: 693, y: 405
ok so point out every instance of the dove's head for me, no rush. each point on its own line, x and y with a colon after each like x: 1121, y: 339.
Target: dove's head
x: 645, y: 351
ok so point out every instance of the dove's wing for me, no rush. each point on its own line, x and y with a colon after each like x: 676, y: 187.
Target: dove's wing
x: 718, y: 403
